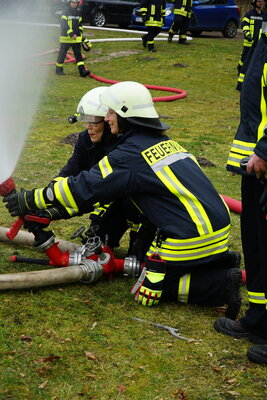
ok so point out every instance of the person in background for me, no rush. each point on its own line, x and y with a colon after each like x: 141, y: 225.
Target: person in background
x: 187, y: 258
x: 182, y: 13
x: 251, y: 141
x: 71, y: 37
x: 153, y: 13
x: 251, y: 26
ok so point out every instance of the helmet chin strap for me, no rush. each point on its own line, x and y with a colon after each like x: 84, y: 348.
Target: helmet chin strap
x: 123, y: 124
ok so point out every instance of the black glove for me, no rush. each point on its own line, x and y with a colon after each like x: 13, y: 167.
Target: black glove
x: 19, y: 203
x: 52, y: 214
x: 249, y: 37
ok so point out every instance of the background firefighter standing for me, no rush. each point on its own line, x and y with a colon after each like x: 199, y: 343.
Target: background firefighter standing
x: 71, y: 37
x: 153, y: 14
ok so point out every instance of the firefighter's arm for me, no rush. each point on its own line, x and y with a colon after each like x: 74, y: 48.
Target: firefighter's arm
x: 56, y: 194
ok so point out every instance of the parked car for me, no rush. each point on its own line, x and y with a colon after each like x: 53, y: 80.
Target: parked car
x: 103, y: 12
x: 208, y: 15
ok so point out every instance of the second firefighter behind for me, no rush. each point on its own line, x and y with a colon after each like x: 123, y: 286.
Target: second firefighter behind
x: 182, y: 13
x: 72, y: 37
x: 153, y: 14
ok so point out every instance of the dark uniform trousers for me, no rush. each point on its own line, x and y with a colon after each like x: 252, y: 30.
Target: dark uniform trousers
x: 181, y: 25
x: 64, y: 48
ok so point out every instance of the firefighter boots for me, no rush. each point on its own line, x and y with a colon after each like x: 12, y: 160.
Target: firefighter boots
x: 144, y: 40
x: 151, y: 48
x: 170, y: 37
x: 232, y: 328
x: 258, y: 354
x: 83, y: 72
x: 59, y: 71
x: 232, y: 293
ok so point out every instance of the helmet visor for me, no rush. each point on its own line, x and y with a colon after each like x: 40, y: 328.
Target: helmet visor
x: 91, y: 119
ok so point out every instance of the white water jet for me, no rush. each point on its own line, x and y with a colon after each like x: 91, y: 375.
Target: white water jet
x: 20, y: 82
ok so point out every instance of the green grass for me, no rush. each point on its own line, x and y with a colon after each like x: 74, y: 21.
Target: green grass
x: 80, y: 341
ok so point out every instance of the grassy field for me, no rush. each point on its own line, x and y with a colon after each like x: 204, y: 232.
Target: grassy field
x: 79, y: 341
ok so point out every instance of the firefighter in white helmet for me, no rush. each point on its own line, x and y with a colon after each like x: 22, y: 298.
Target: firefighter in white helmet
x: 187, y: 257
x: 72, y: 37
x: 93, y: 143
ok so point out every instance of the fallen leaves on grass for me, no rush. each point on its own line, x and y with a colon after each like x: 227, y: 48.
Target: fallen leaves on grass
x: 89, y: 355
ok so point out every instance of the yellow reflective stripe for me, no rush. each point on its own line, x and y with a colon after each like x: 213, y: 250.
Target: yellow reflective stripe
x: 263, y: 123
x: 100, y: 209
x: 153, y: 9
x: 67, y: 39
x: 105, y: 167
x: 155, y: 277
x: 58, y: 178
x: 153, y: 23
x: 64, y: 196
x: 256, y: 297
x: 183, y: 288
x: 226, y: 205
x: 241, y: 76
x: 238, y: 151
x: 194, y: 248
x: 39, y: 198
x: 134, y: 227
x: 191, y: 203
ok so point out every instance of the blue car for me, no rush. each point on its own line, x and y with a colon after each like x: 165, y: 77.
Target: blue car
x: 207, y: 15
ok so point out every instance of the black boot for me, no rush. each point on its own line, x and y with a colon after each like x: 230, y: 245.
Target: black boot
x: 170, y: 37
x: 183, y: 41
x: 232, y: 293
x: 59, y: 71
x: 232, y: 328
x: 83, y: 72
x: 258, y: 354
x: 144, y: 40
x: 151, y: 48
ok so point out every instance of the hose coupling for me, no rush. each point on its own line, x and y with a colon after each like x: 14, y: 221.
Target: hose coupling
x: 92, y: 271
x: 131, y: 267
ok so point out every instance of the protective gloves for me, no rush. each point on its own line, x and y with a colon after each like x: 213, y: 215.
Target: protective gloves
x: 249, y: 37
x: 148, y: 289
x: 20, y: 203
x: 86, y: 44
x: 31, y: 222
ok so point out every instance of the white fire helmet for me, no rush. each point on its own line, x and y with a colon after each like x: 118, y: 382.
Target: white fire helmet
x: 89, y: 106
x: 74, y: 1
x: 129, y: 99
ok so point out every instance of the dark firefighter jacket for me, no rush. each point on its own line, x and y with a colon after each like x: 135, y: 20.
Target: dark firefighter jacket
x: 86, y: 154
x: 251, y: 25
x: 71, y: 24
x: 166, y: 184
x: 182, y: 7
x: 153, y: 12
x: 251, y: 135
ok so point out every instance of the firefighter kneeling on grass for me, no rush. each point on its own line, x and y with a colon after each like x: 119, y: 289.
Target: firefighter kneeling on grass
x: 187, y: 256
